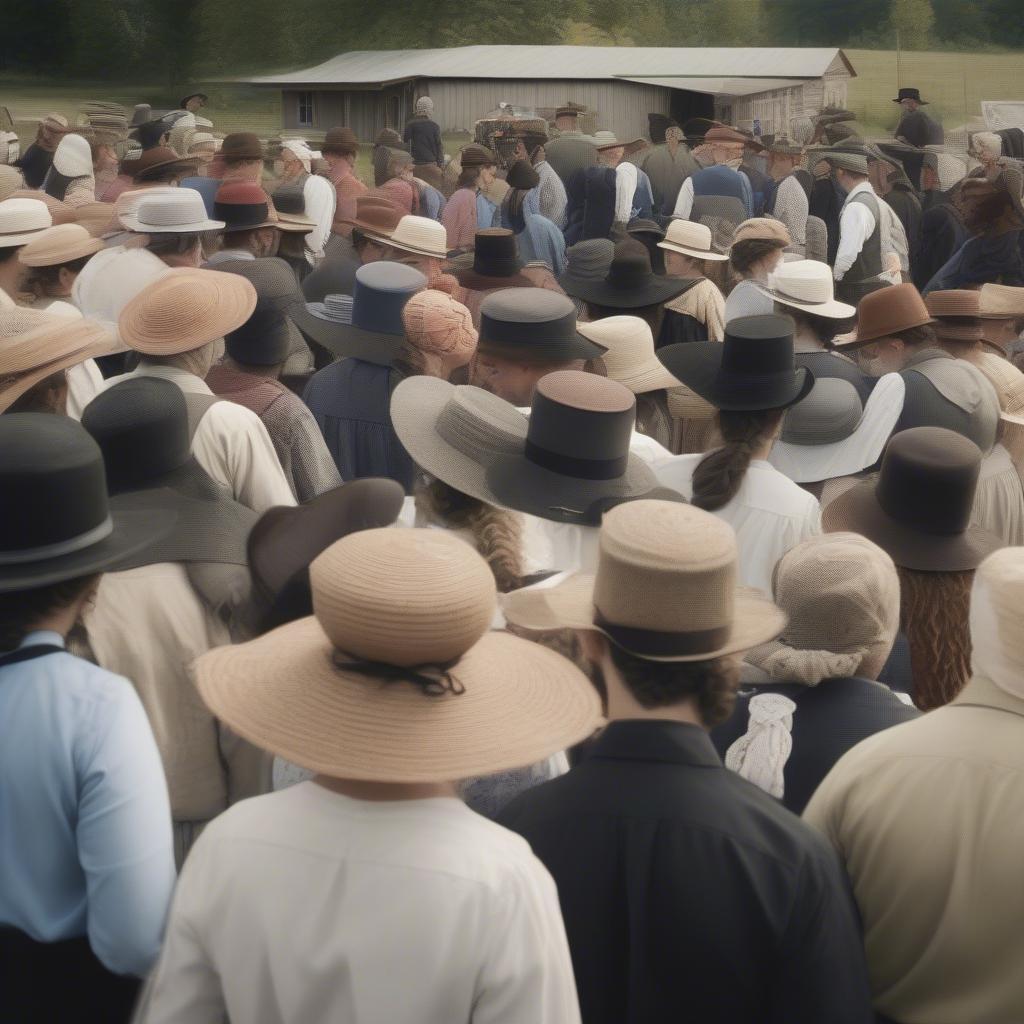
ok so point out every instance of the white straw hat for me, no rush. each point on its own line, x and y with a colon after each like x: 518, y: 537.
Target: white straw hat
x: 177, y: 212
x: 808, y: 285
x: 419, y: 235
x: 630, y: 358
x: 73, y: 157
x: 665, y: 589
x: 397, y: 677
x: 21, y: 220
x: 691, y: 239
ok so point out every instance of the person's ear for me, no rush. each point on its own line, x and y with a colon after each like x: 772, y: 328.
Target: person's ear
x: 66, y: 278
x: 593, y: 645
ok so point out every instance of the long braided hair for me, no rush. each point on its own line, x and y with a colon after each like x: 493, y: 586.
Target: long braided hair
x: 719, y: 474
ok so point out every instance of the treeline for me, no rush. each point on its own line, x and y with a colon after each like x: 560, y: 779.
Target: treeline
x: 177, y: 40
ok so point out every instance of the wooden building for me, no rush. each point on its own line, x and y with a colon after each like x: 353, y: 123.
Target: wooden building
x: 769, y: 89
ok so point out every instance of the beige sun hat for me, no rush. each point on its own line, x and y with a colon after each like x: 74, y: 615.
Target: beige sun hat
x: 21, y: 220
x: 665, y: 589
x: 419, y: 235
x: 59, y: 244
x: 177, y: 211
x: 808, y: 285
x: 691, y: 239
x: 1000, y: 302
x: 184, y: 309
x: 96, y: 218
x: 630, y: 358
x: 397, y: 677
x: 11, y: 180
x: 55, y: 343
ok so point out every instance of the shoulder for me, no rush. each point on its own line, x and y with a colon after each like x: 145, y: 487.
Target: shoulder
x: 777, y: 493
x: 677, y: 472
x: 230, y: 419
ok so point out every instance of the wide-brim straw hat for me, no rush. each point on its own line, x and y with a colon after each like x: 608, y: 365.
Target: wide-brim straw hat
x: 1000, y: 302
x: 807, y: 285
x: 180, y: 212
x: 413, y: 603
x: 691, y: 239
x: 454, y: 432
x: 956, y: 315
x: 60, y: 244
x: 184, y: 309
x: 664, y: 589
x: 630, y: 357
x: 57, y: 344
x: 609, y: 140
x: 96, y: 218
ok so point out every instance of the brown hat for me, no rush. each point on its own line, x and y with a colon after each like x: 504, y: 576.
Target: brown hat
x: 242, y: 146
x: 341, y: 141
x: 147, y: 163
x: 376, y: 215
x: 885, y: 312
x: 57, y: 245
x: 763, y: 228
x: 477, y: 156
x: 725, y: 134
x: 956, y: 314
x: 919, y: 510
x: 397, y: 676
x: 665, y: 589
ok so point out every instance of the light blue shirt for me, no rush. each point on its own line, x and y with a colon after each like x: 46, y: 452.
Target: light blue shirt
x: 85, y: 822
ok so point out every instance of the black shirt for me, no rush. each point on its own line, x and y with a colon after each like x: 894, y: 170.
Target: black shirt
x: 830, y: 718
x: 423, y: 137
x: 690, y: 895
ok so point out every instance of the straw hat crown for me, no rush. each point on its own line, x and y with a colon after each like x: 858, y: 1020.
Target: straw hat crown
x: 421, y: 235
x: 998, y: 301
x: 59, y: 244
x: 403, y: 597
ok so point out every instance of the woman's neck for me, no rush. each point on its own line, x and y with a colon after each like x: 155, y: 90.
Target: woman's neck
x: 382, y: 792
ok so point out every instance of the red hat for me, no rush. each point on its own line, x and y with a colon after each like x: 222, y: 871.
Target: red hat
x: 244, y: 206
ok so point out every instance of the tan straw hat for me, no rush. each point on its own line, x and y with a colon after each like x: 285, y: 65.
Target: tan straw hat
x: 691, y: 239
x: 60, y: 244
x: 956, y: 315
x: 96, y: 218
x: 665, y: 589
x: 57, y: 343
x: 807, y: 285
x: 396, y: 678
x: 765, y: 229
x: 184, y: 309
x: 1000, y: 302
x: 420, y: 235
x: 630, y: 358
x: 21, y: 220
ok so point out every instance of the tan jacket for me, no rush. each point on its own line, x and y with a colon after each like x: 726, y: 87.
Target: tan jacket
x: 929, y: 818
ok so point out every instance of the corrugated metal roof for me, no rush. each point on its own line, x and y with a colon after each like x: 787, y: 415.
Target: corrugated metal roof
x: 720, y: 86
x: 364, y: 67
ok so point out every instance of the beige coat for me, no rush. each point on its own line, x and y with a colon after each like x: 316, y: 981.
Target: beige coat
x: 929, y: 818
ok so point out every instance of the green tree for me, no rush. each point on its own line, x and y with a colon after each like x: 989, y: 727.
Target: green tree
x: 914, y: 20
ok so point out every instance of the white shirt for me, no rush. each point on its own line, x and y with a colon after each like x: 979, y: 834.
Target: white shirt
x: 684, y: 201
x: 231, y: 443
x: 856, y: 223
x: 85, y: 382
x: 308, y: 907
x: 320, y: 199
x: 626, y: 177
x: 769, y: 513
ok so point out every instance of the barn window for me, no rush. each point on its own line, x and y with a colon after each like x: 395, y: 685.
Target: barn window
x: 305, y: 117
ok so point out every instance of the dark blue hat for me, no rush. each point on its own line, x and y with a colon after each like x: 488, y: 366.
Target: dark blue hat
x: 376, y: 332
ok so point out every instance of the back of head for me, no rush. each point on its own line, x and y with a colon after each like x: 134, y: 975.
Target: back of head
x: 719, y: 475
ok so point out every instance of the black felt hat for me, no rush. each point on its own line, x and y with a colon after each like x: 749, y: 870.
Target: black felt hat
x: 533, y: 322
x: 920, y: 508
x: 263, y: 340
x: 142, y: 428
x: 910, y: 94
x: 752, y: 369
x: 630, y: 282
x: 522, y: 175
x: 496, y: 262
x: 576, y: 461
x: 56, y: 519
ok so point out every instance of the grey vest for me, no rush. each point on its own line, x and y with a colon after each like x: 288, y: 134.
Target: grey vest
x: 868, y: 264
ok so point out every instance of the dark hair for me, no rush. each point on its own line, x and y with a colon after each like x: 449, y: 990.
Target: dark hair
x: 719, y: 474
x: 652, y: 314
x: 239, y: 239
x: 21, y: 610
x: 824, y: 328
x: 173, y: 243
x: 8, y: 252
x: 917, y: 336
x: 40, y: 280
x: 469, y: 176
x: 43, y: 396
x: 169, y: 172
x: 744, y: 254
x: 657, y: 684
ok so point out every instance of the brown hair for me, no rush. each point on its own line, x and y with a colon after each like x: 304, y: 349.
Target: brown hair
x: 824, y: 328
x: 655, y: 684
x: 22, y: 610
x: 934, y: 610
x: 915, y: 337
x: 40, y: 280
x: 497, y: 534
x: 719, y: 474
x: 469, y: 176
x: 744, y: 254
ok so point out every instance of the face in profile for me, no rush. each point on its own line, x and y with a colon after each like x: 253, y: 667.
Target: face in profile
x: 508, y: 379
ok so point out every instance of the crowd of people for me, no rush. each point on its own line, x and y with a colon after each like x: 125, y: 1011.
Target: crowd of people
x: 575, y: 578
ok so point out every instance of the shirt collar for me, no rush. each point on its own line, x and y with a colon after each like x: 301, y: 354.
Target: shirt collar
x: 980, y: 690
x: 863, y: 186
x: 656, y: 740
x: 188, y: 382
x: 41, y: 636
x: 230, y: 254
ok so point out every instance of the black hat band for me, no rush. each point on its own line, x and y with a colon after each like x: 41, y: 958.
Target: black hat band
x: 510, y: 332
x: 657, y: 644
x: 61, y: 547
x: 570, y: 465
x: 238, y: 216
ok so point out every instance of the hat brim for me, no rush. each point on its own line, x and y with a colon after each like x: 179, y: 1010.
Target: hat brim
x: 347, y: 339
x: 649, y: 375
x: 75, y: 252
x: 415, y: 422
x: 655, y: 290
x: 523, y: 486
x: 923, y: 103
x: 698, y: 254
x: 812, y: 463
x: 697, y: 365
x: 21, y: 237
x: 860, y: 340
x: 283, y: 692
x: 476, y: 282
x: 132, y: 223
x: 570, y: 605
x: 858, y: 511
x: 416, y: 250
x: 832, y: 310
x: 186, y: 163
x: 133, y: 532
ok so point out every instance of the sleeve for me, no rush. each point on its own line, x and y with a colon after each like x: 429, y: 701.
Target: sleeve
x: 124, y: 837
x: 526, y: 974
x: 791, y: 208
x: 233, y: 446
x: 684, y: 201
x: 313, y: 469
x: 855, y: 224
x: 438, y: 146
x: 625, y: 188
x: 320, y: 202
x: 185, y: 986
x: 459, y: 219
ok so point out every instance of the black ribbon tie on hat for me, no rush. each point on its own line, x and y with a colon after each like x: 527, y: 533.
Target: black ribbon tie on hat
x: 658, y: 644
x: 434, y: 680
x: 568, y: 465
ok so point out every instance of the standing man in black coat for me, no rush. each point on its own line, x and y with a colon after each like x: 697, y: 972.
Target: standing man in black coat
x: 423, y: 136
x: 687, y: 893
x: 915, y: 126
